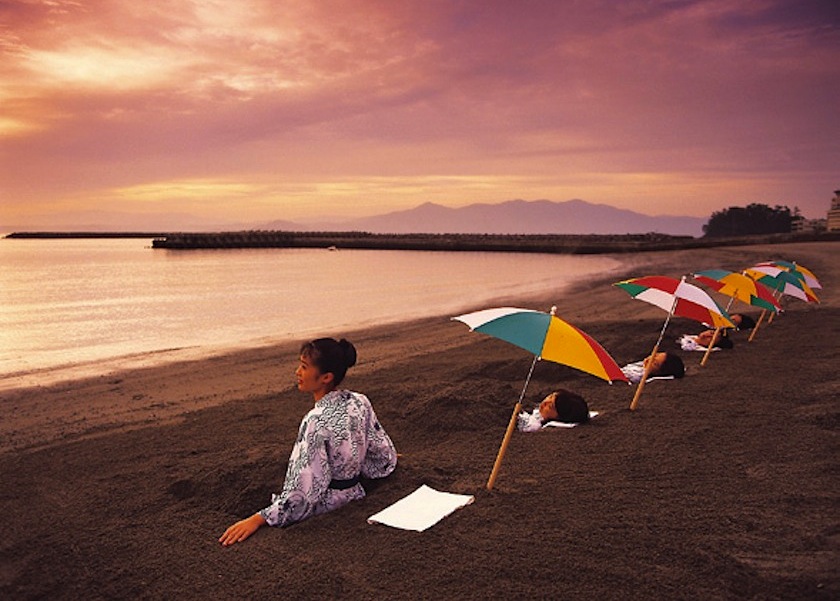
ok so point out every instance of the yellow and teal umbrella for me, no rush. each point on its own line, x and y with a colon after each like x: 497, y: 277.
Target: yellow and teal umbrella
x: 737, y: 286
x: 545, y: 336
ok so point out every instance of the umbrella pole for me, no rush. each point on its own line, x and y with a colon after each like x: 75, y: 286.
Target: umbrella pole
x: 641, y: 385
x: 758, y: 323
x: 511, y: 426
x: 710, y: 347
x: 715, y: 336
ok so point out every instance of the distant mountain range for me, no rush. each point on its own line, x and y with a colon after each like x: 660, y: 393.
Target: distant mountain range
x: 512, y: 217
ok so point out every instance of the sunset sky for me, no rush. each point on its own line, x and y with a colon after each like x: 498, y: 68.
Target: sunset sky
x: 255, y: 110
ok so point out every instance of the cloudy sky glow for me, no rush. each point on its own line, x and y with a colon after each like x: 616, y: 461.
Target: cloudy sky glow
x: 257, y: 110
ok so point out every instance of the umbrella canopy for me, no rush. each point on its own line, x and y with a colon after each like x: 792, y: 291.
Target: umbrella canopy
x: 737, y: 286
x: 740, y: 287
x: 547, y: 337
x: 679, y: 298
x: 799, y: 271
x: 783, y: 281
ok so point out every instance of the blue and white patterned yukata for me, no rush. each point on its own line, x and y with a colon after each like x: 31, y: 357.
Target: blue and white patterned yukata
x: 339, y: 440
x: 529, y: 422
x: 634, y: 371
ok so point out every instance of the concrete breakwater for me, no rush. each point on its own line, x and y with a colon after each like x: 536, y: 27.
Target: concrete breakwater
x: 570, y: 244
x: 551, y: 243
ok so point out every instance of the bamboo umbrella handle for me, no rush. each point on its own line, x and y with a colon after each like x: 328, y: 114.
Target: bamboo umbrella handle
x: 646, y: 371
x: 758, y: 323
x: 641, y: 385
x: 638, y: 394
x: 504, y: 446
x: 711, y: 346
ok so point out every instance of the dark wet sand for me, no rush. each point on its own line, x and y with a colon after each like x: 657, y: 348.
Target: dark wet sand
x: 723, y: 485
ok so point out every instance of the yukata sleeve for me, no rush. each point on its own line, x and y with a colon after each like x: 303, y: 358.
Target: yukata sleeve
x: 307, y: 479
x: 381, y: 455
x: 634, y: 371
x: 528, y: 422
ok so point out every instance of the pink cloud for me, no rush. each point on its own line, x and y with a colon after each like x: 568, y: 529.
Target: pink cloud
x: 735, y: 101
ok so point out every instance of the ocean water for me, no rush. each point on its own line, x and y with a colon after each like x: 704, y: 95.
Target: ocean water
x: 78, y: 304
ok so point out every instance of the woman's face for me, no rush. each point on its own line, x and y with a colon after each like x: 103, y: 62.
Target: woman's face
x: 309, y: 377
x: 658, y: 360
x: 705, y: 338
x: 548, y: 411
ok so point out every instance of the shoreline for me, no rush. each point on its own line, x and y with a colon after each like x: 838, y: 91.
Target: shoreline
x: 119, y: 385
x: 721, y: 485
x: 23, y: 375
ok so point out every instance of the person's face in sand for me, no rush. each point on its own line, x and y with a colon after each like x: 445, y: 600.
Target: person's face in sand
x: 705, y: 337
x: 548, y: 411
x: 311, y: 379
x: 656, y: 364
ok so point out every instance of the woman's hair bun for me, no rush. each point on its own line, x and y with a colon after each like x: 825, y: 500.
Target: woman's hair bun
x: 349, y: 352
x: 331, y: 356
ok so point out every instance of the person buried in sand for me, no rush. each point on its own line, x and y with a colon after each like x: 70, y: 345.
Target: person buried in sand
x: 723, y: 341
x: 742, y: 322
x: 560, y: 406
x: 701, y: 341
x: 339, y: 440
x: 663, y: 365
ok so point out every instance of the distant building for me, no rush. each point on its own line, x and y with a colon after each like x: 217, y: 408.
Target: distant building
x: 808, y: 226
x: 833, y: 221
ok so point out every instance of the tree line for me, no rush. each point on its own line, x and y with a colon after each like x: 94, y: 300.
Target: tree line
x: 752, y: 219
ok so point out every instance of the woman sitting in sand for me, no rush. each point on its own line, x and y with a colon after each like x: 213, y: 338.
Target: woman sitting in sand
x: 339, y: 441
x: 663, y: 365
x: 561, y: 406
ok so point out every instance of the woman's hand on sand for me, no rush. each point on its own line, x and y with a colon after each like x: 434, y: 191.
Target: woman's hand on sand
x: 242, y: 530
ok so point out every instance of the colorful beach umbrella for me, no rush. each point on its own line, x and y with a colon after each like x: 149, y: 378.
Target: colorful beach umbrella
x: 678, y: 298
x: 738, y: 287
x: 795, y: 268
x: 545, y: 336
x: 784, y: 281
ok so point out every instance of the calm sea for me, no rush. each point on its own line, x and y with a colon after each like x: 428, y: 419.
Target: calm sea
x: 83, y: 303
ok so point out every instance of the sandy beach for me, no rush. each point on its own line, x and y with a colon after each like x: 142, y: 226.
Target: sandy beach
x: 722, y: 485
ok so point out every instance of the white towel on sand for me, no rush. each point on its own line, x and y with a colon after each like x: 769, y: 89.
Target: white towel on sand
x: 420, y: 510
